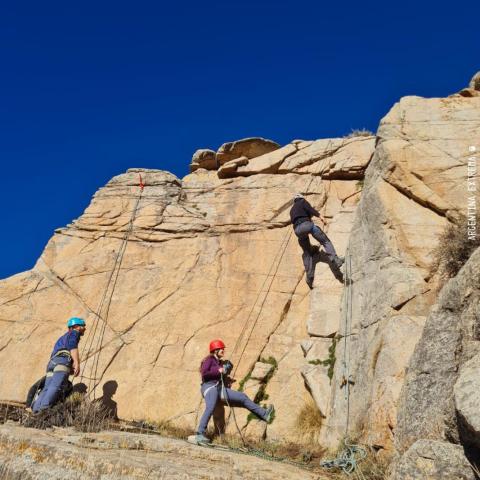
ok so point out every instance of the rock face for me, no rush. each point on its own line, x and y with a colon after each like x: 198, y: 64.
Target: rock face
x: 413, y: 186
x: 206, y: 258
x: 429, y: 459
x: 433, y: 387
x: 68, y: 455
x: 466, y: 400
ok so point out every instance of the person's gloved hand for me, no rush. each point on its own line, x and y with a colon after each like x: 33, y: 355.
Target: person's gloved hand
x: 227, y: 367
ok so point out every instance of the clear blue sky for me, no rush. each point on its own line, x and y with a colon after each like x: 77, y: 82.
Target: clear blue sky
x: 89, y: 89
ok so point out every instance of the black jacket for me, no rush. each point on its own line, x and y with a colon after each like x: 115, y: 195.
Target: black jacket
x: 302, y: 211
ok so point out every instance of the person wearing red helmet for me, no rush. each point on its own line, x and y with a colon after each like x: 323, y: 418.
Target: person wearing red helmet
x: 213, y: 370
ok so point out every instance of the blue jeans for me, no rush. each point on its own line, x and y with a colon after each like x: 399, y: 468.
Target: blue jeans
x: 211, y: 394
x: 53, y: 384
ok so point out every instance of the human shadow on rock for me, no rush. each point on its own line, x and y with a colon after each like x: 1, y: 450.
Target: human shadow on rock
x: 108, y: 404
x: 310, y: 263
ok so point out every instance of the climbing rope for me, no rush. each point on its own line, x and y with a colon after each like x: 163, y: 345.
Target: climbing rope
x: 348, y: 459
x: 280, y: 253
x: 93, y: 351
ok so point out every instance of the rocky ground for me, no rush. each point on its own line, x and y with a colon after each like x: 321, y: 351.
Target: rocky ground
x: 64, y: 454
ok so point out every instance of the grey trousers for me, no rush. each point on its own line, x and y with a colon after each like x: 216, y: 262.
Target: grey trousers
x: 211, y: 394
x: 304, y: 229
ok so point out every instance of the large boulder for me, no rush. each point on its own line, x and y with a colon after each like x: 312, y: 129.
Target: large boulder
x: 246, y: 147
x: 204, y: 158
x: 433, y: 460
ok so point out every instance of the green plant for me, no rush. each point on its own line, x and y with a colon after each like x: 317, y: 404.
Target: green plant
x: 330, y: 361
x: 243, y: 381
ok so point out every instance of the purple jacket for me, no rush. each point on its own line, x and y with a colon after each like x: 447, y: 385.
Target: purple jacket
x: 209, y: 369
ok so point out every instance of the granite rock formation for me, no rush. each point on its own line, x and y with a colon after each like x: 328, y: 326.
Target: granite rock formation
x: 213, y: 255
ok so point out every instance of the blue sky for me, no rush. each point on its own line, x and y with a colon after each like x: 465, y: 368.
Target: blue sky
x: 89, y: 89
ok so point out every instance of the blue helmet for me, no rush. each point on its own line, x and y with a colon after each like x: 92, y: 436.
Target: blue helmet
x: 76, y: 321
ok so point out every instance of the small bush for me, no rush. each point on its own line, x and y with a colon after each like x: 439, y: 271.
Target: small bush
x: 453, y: 250
x: 363, y: 132
x: 76, y: 411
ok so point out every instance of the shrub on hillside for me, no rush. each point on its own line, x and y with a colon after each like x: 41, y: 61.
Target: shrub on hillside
x: 453, y: 250
x: 76, y: 411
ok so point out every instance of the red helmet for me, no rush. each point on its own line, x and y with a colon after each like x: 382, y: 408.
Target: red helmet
x: 216, y: 345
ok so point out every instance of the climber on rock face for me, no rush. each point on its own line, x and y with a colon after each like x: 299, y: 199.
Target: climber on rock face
x: 214, y: 371
x: 301, y: 215
x: 64, y: 361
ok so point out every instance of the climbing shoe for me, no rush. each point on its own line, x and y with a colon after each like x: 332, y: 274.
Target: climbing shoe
x: 270, y: 414
x: 309, y: 281
x: 339, y: 261
x: 201, y: 439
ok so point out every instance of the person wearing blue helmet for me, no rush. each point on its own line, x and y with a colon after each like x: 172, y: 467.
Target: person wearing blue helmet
x: 64, y: 360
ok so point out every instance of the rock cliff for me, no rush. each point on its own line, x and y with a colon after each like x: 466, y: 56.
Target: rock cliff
x: 213, y: 255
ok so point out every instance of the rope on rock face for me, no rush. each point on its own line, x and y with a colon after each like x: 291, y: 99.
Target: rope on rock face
x: 93, y: 351
x: 347, y: 460
x: 281, y: 251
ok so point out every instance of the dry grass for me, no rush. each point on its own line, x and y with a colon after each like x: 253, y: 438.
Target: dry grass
x: 76, y: 411
x: 359, y: 132
x: 307, y: 454
x: 164, y: 428
x: 453, y: 250
x: 309, y: 422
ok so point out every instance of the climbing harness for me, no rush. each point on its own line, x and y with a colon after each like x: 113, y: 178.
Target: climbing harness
x: 93, y: 351
x: 348, y: 458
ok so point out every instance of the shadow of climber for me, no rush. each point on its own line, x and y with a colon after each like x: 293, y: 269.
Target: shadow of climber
x: 310, y: 261
x: 109, y: 405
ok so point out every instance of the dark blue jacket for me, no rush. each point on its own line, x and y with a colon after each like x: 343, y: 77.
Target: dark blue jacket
x: 68, y: 341
x: 302, y: 211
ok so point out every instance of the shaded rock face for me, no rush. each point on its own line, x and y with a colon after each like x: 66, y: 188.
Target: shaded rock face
x: 430, y: 459
x: 467, y: 402
x: 206, y: 258
x: 440, y: 384
x: 414, y: 186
